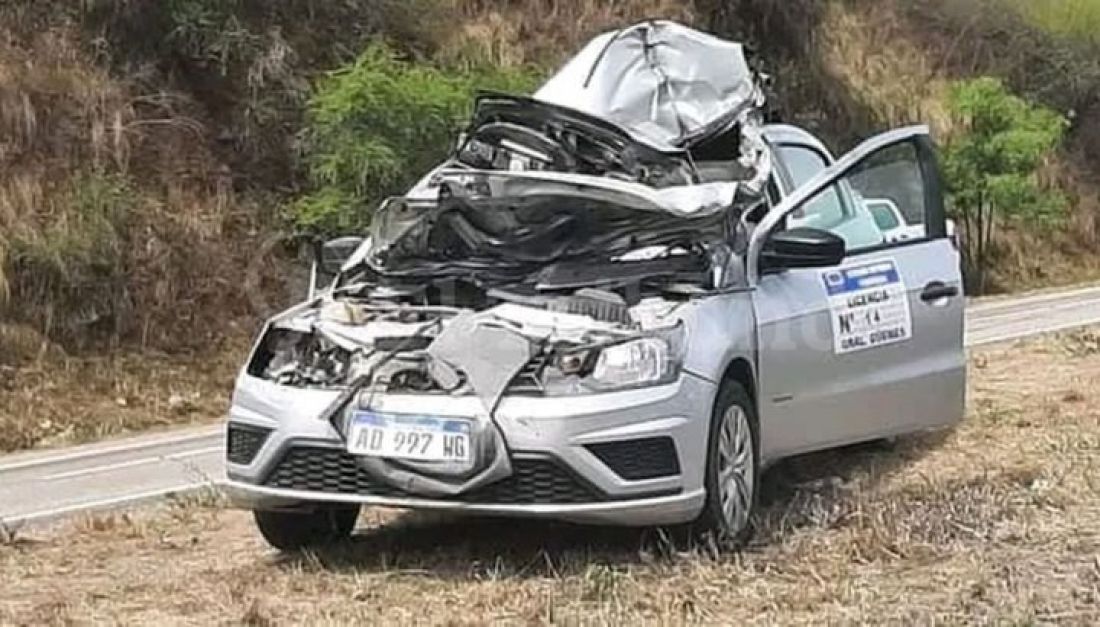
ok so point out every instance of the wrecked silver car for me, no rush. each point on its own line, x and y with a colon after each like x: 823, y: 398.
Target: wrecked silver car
x: 616, y: 302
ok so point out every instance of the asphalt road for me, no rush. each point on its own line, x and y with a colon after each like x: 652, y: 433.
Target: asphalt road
x: 43, y: 485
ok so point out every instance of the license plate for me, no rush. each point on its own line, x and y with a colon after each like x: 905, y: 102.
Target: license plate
x: 407, y: 436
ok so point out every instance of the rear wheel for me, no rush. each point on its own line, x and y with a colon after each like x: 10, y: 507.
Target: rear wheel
x: 732, y: 472
x: 293, y: 531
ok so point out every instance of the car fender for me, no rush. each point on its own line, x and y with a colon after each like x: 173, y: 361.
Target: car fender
x: 721, y: 329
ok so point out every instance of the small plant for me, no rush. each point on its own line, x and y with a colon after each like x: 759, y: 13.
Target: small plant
x: 377, y: 125
x: 1083, y: 343
x: 9, y: 534
x: 602, y: 583
x: 209, y: 32
x: 75, y: 264
x: 991, y: 167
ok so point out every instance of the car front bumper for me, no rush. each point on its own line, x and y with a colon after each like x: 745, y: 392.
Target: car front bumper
x: 661, y: 510
x: 557, y: 447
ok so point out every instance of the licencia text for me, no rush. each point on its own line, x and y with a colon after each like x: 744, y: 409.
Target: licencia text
x: 869, y: 306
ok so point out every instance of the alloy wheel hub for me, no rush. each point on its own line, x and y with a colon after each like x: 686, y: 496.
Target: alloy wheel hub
x: 736, y: 469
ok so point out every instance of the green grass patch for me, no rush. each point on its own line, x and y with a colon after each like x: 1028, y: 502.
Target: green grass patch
x: 1078, y: 20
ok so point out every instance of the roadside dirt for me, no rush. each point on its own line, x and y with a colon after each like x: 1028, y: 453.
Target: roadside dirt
x: 55, y: 400
x: 997, y: 521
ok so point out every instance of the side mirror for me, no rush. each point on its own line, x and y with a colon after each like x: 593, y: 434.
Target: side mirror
x: 334, y: 253
x: 802, y: 247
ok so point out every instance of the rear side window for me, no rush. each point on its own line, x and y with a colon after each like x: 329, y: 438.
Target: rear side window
x: 884, y: 216
x: 827, y: 210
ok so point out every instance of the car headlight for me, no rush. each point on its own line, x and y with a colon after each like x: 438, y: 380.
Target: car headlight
x: 652, y: 359
x: 637, y: 362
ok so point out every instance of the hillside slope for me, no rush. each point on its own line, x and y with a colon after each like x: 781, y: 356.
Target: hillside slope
x: 148, y: 146
x: 149, y: 149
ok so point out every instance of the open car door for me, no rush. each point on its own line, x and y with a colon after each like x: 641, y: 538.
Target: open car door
x: 872, y: 345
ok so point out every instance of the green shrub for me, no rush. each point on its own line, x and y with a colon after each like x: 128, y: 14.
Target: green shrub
x: 378, y: 125
x: 991, y: 166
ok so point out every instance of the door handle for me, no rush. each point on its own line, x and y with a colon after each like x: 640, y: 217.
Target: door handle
x: 937, y: 290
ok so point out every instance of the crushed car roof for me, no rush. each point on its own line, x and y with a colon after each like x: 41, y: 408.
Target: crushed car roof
x: 656, y: 117
x: 664, y: 82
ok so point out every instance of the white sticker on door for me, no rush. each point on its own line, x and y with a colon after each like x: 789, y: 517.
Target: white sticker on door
x: 869, y: 306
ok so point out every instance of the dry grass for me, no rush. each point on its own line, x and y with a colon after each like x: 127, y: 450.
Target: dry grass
x: 543, y: 32
x: 892, y: 76
x: 998, y: 521
x: 117, y: 221
x: 57, y: 400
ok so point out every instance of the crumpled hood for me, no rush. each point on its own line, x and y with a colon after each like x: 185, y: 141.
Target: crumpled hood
x: 681, y: 200
x: 664, y: 82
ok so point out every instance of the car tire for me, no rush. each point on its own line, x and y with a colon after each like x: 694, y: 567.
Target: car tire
x: 294, y: 531
x: 732, y: 474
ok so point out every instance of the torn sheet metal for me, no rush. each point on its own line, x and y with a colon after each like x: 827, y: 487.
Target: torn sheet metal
x: 664, y: 82
x: 546, y: 325
x: 488, y: 353
x: 353, y: 337
x: 681, y: 200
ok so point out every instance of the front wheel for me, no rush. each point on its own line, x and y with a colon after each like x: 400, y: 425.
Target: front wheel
x: 293, y: 531
x: 732, y: 471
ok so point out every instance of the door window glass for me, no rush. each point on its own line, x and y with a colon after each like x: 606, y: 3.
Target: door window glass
x: 891, y: 183
x: 881, y: 202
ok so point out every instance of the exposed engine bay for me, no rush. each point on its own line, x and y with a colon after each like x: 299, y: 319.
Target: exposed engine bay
x: 391, y: 337
x: 486, y: 300
x: 512, y: 132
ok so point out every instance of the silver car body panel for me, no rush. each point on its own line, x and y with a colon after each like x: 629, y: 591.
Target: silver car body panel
x: 557, y: 427
x: 774, y: 330
x: 662, y: 81
x: 811, y: 398
x: 645, y: 512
